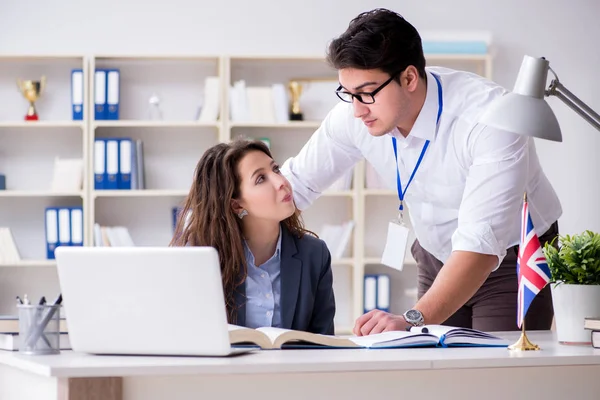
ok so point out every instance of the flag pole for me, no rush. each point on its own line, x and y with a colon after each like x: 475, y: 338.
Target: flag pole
x: 523, y: 344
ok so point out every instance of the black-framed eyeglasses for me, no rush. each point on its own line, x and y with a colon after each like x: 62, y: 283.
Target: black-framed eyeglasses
x: 363, y: 97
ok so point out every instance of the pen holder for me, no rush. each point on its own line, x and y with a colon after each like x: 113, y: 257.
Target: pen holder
x: 39, y: 329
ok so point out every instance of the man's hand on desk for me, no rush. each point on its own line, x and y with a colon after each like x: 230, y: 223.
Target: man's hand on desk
x: 377, y: 321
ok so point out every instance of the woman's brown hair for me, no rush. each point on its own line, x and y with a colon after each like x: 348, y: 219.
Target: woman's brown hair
x: 207, y: 218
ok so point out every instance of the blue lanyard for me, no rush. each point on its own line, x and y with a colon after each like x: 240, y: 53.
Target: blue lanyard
x: 399, y: 183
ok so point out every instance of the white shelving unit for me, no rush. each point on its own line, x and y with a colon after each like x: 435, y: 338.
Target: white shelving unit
x: 27, y: 153
x: 172, y: 147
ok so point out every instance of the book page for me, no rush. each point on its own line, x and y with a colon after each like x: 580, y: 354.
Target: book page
x: 463, y: 336
x: 441, y: 330
x: 395, y: 339
x: 240, y: 334
x: 281, y: 336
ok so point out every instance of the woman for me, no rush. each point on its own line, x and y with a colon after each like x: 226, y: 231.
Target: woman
x: 275, y: 273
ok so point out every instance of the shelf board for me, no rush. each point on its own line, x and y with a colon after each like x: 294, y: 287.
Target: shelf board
x: 453, y: 57
x: 154, y: 124
x: 372, y: 260
x: 343, y: 261
x: 41, y: 57
x: 156, y: 57
x: 30, y: 263
x: 141, y: 193
x: 267, y: 57
x: 42, y: 124
x: 380, y: 192
x: 338, y: 193
x: 377, y: 260
x: 279, y: 125
x: 38, y: 193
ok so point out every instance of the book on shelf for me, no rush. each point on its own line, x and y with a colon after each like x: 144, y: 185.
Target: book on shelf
x: 428, y: 336
x: 67, y: 175
x: 456, y: 42
x: 337, y: 237
x: 112, y: 236
x: 9, y: 253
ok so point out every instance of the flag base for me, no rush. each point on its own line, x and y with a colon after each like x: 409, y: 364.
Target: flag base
x: 523, y: 344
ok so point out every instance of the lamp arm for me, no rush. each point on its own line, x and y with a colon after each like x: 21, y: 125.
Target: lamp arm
x: 557, y: 89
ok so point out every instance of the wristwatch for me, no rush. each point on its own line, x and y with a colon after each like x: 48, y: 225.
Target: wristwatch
x: 414, y: 317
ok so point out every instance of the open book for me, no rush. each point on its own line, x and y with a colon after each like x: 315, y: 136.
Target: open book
x: 427, y: 336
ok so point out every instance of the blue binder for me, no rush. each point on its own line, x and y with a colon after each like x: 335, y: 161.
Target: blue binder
x: 383, y: 292
x: 51, y: 225
x: 64, y: 226
x: 76, y: 226
x: 111, y: 181
x: 77, y: 94
x: 125, y: 163
x: 99, y: 164
x: 100, y: 94
x: 112, y: 93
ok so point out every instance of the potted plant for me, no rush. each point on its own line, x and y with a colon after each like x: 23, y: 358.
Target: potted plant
x: 575, y: 284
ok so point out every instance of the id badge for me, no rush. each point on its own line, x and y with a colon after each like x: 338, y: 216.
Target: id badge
x: 395, y: 245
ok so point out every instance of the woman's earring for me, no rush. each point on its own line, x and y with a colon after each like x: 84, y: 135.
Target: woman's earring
x: 243, y: 214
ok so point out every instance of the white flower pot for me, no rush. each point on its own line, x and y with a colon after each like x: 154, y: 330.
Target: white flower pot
x: 573, y: 303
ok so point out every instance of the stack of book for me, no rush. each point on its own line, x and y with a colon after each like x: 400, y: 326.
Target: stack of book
x: 593, y: 324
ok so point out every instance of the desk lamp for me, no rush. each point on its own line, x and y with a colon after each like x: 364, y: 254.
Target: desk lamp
x: 524, y: 111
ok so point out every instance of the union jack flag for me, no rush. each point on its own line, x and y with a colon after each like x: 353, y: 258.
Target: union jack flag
x: 532, y: 267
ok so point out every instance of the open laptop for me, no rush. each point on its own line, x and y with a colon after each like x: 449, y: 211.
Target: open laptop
x: 144, y: 300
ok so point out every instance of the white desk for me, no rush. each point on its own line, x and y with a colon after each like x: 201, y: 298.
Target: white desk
x: 555, y: 372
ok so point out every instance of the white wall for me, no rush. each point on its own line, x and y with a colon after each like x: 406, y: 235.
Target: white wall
x: 564, y: 32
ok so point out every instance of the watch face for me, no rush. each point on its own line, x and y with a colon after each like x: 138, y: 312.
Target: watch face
x: 413, y: 315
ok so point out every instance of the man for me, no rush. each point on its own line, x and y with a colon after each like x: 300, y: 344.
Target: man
x: 467, y: 184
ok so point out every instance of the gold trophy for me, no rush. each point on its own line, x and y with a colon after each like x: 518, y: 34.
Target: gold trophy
x: 295, y: 88
x: 31, y: 90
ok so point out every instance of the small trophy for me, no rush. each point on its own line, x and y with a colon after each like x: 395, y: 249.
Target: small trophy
x: 295, y: 88
x: 31, y: 90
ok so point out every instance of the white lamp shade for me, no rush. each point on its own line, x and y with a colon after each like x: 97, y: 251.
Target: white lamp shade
x: 524, y: 115
x: 524, y: 111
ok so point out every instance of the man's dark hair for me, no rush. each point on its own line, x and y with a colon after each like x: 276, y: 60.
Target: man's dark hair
x: 378, y: 39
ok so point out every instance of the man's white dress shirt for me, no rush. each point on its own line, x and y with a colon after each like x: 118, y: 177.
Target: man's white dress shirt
x: 468, y: 191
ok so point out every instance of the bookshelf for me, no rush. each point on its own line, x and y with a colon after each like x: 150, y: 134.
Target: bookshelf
x: 172, y: 147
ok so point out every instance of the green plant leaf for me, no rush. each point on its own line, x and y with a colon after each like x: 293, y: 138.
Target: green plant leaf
x: 576, y: 260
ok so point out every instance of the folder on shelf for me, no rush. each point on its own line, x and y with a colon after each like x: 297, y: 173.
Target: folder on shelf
x: 77, y: 94
x: 76, y: 226
x: 370, y: 293
x: 64, y: 227
x: 175, y: 214
x: 112, y: 94
x: 51, y: 231
x: 134, y: 166
x: 139, y: 165
x: 111, y: 181
x: 376, y: 292
x: 125, y: 162
x: 383, y: 292
x: 100, y: 94
x: 99, y: 164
